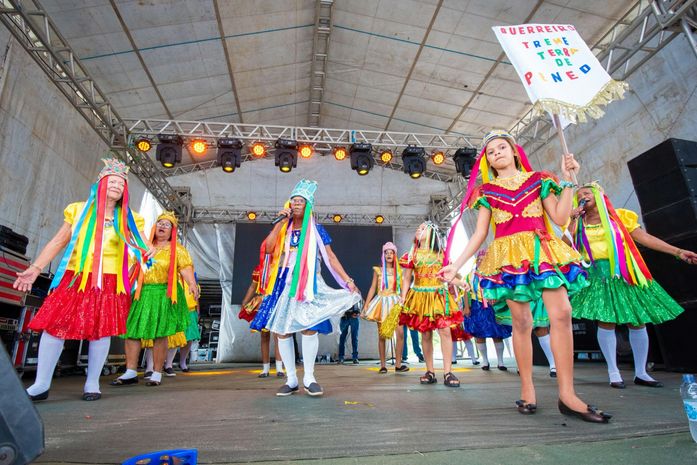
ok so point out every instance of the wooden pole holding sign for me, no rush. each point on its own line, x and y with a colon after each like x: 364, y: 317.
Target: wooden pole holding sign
x: 562, y: 140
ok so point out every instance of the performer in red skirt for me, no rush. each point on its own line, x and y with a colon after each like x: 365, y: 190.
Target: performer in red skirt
x: 90, y: 293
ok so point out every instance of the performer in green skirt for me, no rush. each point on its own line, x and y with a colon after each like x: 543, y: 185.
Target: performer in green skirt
x: 159, y: 307
x: 621, y: 289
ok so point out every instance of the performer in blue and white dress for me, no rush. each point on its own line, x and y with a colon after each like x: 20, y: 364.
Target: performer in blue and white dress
x: 296, y: 296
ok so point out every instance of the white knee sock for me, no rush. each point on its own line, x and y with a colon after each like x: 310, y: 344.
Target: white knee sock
x: 279, y: 366
x: 149, y: 364
x: 639, y: 340
x: 171, y: 353
x: 287, y: 351
x: 96, y: 356
x: 608, y: 346
x: 310, y: 348
x: 265, y: 367
x: 482, y: 352
x: 470, y: 350
x: 499, y: 353
x: 547, y: 349
x: 50, y: 349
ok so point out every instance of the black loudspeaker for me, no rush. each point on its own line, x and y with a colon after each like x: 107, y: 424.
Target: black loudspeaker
x: 665, y: 181
x: 21, y: 429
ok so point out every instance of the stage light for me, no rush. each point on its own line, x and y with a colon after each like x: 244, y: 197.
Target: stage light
x: 143, y: 144
x: 379, y: 219
x: 361, y: 158
x: 251, y: 216
x: 199, y: 146
x: 169, y: 150
x: 414, y: 161
x: 229, y: 154
x: 286, y: 156
x: 340, y: 153
x: 337, y: 218
x: 464, y: 159
x: 386, y: 156
x: 438, y: 158
x: 306, y: 151
x: 258, y: 150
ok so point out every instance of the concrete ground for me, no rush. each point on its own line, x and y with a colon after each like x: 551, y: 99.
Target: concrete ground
x: 231, y: 416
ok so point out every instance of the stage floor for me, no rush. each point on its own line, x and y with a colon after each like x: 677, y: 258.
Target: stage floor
x: 231, y: 416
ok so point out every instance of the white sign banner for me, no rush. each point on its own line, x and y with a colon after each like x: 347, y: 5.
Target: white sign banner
x: 558, y: 70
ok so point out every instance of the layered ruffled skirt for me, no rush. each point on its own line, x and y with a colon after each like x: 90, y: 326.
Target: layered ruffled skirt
x: 285, y: 315
x: 430, y: 308
x: 520, y: 266
x: 92, y: 314
x: 481, y: 322
x: 380, y: 307
x: 154, y: 315
x: 613, y: 300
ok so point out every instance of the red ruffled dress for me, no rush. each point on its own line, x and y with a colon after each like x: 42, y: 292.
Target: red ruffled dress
x: 250, y: 309
x: 68, y: 313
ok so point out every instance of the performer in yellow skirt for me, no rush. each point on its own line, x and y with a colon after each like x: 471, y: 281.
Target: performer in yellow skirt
x: 383, y: 295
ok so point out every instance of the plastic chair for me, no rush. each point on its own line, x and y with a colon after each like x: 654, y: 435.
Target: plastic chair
x: 165, y: 457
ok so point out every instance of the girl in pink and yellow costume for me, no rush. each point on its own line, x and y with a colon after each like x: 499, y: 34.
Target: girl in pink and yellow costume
x: 90, y: 294
x: 526, y: 261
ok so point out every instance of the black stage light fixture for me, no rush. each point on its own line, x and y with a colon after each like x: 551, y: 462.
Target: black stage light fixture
x: 464, y: 159
x: 169, y: 150
x: 361, y: 158
x: 414, y: 161
x: 229, y: 154
x: 286, y: 157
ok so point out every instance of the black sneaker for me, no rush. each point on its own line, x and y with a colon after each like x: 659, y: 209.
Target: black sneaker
x: 422, y: 360
x: 314, y: 389
x: 286, y: 390
x: 147, y: 374
x: 170, y: 372
x: 355, y: 361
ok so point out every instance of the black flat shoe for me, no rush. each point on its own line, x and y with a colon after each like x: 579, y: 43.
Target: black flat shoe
x: 525, y: 408
x: 591, y: 415
x: 401, y: 369
x: 642, y: 382
x: 502, y: 368
x: 486, y: 367
x: 90, y: 396
x: 618, y: 385
x: 39, y: 397
x: 186, y: 370
x: 263, y: 375
x: 124, y: 382
x: 552, y: 373
x: 382, y: 370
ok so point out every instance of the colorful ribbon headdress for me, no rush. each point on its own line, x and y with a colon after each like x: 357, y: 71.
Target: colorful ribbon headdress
x: 88, y: 232
x: 624, y: 257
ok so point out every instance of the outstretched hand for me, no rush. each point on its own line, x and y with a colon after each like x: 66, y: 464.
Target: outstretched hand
x: 447, y: 273
x: 688, y: 257
x: 26, y: 278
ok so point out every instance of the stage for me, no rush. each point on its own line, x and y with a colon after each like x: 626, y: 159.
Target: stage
x: 232, y: 416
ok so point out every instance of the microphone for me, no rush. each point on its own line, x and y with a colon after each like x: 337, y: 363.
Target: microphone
x: 582, y: 202
x: 278, y: 219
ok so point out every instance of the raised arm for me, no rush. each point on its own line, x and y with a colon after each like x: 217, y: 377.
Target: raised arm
x: 559, y: 209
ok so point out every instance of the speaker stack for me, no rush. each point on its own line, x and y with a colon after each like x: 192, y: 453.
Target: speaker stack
x: 665, y: 181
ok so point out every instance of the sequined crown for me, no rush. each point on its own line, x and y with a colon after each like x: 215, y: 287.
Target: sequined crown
x: 114, y: 167
x: 305, y: 189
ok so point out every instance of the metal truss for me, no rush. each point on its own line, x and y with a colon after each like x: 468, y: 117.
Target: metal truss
x: 36, y: 33
x: 632, y: 41
x: 230, y: 215
x: 640, y: 34
x: 320, y: 53
x: 323, y: 140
